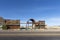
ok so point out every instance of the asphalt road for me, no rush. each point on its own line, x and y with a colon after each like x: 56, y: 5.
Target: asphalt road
x: 29, y: 35
x: 30, y: 38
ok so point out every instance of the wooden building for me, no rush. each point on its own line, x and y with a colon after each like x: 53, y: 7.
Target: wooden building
x: 40, y: 25
x: 12, y: 24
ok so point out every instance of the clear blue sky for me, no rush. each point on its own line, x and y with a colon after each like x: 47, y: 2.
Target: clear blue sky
x: 48, y: 10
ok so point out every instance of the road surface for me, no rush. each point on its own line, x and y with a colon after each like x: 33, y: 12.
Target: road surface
x: 29, y: 33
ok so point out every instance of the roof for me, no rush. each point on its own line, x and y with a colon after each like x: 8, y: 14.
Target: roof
x: 12, y: 24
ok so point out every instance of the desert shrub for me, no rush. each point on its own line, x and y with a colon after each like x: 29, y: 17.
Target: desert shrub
x: 4, y: 27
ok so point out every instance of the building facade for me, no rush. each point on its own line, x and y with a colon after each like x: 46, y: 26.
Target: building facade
x: 40, y: 25
x: 10, y: 24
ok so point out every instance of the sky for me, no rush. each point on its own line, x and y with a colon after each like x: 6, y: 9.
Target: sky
x: 48, y: 10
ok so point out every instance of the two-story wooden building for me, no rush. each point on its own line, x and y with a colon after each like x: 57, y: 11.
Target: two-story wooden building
x: 10, y: 24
